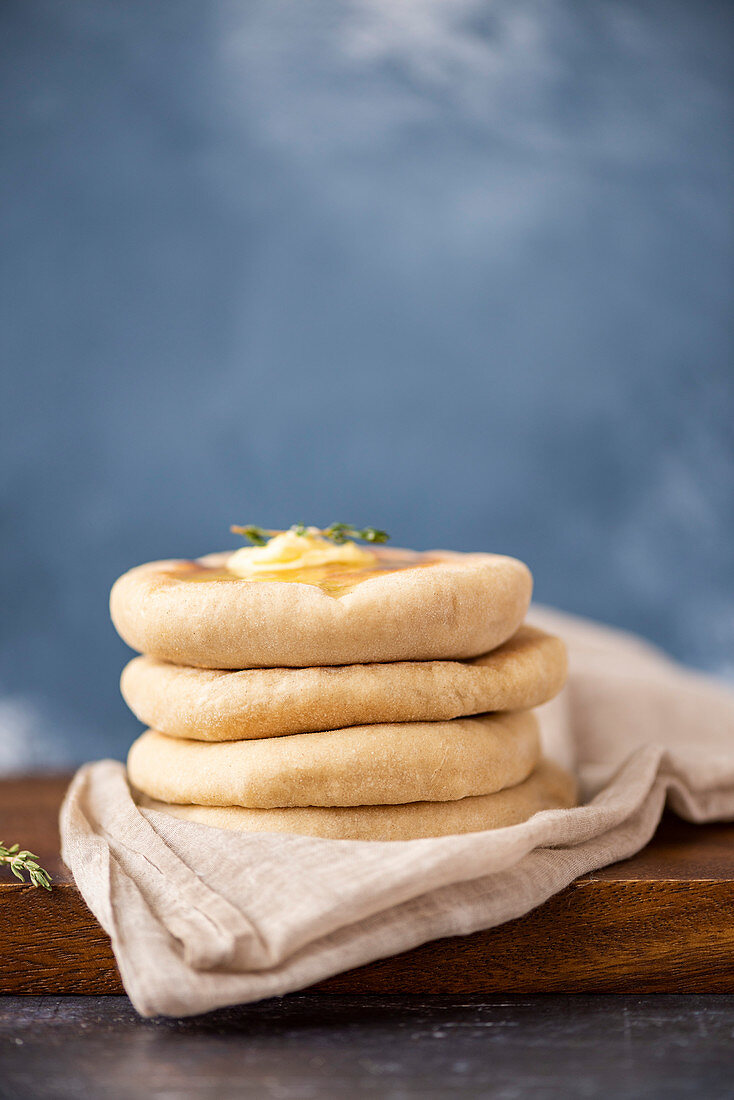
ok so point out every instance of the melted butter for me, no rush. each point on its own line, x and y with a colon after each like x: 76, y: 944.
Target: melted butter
x: 288, y: 551
x: 336, y: 579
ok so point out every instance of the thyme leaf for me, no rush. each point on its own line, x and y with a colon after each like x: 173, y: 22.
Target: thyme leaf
x: 340, y: 532
x: 337, y: 532
x: 23, y: 862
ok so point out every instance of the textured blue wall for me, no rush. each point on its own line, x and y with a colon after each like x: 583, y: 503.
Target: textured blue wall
x: 460, y: 269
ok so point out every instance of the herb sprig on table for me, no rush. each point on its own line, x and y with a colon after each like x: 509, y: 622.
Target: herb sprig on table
x: 337, y: 532
x: 20, y: 861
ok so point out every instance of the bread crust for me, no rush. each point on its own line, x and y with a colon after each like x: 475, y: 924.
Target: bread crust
x: 548, y: 788
x: 362, y: 765
x: 212, y: 705
x: 458, y: 606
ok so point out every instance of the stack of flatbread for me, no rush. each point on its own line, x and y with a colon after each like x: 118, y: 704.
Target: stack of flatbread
x: 382, y: 703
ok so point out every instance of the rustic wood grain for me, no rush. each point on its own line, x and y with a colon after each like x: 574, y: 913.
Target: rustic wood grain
x: 662, y: 921
x: 372, y: 1048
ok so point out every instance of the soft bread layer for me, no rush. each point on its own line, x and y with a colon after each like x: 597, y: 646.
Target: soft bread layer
x: 359, y: 766
x: 548, y: 788
x: 208, y: 705
x: 457, y: 607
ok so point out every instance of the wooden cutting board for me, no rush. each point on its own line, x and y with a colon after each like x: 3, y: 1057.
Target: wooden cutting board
x: 662, y: 921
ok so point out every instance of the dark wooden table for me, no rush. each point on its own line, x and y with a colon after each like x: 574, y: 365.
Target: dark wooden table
x: 311, y: 1047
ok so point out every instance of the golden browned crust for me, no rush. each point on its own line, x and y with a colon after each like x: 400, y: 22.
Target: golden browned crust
x: 458, y: 607
x: 548, y: 788
x: 362, y: 765
x: 208, y: 705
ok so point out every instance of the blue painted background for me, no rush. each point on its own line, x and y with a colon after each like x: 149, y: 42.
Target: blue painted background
x: 460, y: 269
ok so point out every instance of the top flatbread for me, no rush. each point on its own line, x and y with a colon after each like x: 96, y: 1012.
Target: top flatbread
x: 447, y: 606
x: 208, y: 705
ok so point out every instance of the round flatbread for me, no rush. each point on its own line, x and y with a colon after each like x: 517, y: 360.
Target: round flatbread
x: 359, y: 766
x: 548, y: 788
x: 410, y: 607
x: 208, y: 705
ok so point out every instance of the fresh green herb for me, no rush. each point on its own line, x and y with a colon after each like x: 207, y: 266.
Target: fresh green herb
x: 257, y: 535
x: 340, y: 532
x: 337, y: 532
x: 18, y: 860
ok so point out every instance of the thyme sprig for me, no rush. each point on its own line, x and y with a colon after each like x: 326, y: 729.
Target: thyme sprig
x: 258, y: 536
x: 19, y: 861
x: 336, y: 532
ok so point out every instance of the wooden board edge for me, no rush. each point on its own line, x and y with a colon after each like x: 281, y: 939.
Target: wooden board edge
x: 603, y: 936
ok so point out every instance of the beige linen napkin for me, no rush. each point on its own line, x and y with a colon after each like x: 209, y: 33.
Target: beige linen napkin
x: 201, y: 918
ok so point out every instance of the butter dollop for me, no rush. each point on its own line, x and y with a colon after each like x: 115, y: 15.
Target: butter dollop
x: 290, y: 551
